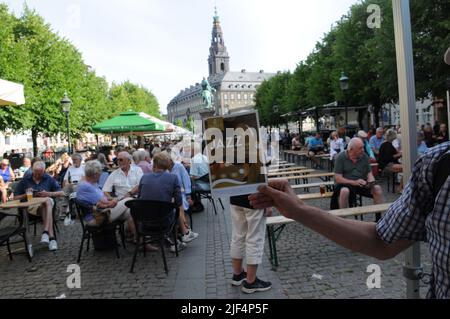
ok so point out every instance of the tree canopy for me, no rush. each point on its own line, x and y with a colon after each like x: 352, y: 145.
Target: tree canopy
x: 48, y: 65
x: 367, y: 56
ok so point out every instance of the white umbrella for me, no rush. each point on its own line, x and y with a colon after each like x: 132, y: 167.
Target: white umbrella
x: 11, y: 93
x: 167, y: 125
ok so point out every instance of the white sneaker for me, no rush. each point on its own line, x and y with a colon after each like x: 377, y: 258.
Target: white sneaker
x: 181, y: 246
x: 190, y: 236
x: 53, y: 245
x: 45, y: 239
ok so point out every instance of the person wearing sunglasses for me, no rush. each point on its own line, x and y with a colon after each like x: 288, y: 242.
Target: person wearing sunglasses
x: 6, y: 172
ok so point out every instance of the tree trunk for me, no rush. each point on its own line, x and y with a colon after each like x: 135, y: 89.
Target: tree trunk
x: 376, y: 110
x: 34, y: 135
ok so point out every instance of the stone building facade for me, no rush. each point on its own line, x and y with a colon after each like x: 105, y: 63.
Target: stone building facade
x: 235, y: 91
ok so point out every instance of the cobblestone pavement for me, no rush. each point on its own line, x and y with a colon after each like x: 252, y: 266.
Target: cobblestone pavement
x: 203, y: 269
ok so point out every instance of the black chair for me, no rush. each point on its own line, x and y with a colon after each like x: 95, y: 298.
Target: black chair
x: 89, y: 231
x: 203, y: 190
x: 8, y: 232
x: 153, y: 225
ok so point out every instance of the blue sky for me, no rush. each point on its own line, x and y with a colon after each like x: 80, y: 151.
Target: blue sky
x: 163, y: 44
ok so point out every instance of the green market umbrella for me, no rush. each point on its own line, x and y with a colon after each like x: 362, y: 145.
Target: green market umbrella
x: 129, y: 122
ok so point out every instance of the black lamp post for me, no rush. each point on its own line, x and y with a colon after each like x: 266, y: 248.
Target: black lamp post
x: 344, y: 82
x: 66, y: 103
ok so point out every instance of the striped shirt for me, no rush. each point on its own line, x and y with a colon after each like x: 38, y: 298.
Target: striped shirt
x: 418, y: 216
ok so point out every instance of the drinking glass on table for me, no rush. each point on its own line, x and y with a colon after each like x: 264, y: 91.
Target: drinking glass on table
x: 322, y: 190
x: 29, y: 193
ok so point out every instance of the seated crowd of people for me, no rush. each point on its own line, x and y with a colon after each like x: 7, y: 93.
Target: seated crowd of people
x: 352, y: 158
x: 108, y: 182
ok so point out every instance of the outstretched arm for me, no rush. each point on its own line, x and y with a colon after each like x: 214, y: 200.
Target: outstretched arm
x: 354, y: 235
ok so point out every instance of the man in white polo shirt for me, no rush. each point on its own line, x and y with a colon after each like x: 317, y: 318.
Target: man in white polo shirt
x: 124, y: 179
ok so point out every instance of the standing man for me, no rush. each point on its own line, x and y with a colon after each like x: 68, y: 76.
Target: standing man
x: 248, y: 227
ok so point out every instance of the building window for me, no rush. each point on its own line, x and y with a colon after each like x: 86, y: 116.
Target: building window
x: 239, y: 96
x: 7, y: 140
x: 245, y: 96
x: 232, y: 96
x: 225, y: 96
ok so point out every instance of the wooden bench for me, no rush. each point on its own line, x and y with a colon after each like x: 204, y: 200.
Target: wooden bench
x: 285, y: 164
x: 298, y: 172
x: 326, y: 177
x: 305, y: 197
x: 329, y: 185
x: 275, y: 225
x: 291, y: 156
x: 285, y: 169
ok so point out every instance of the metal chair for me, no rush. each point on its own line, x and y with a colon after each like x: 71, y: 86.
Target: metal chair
x: 154, y: 222
x: 6, y: 233
x: 89, y: 231
x: 203, y: 190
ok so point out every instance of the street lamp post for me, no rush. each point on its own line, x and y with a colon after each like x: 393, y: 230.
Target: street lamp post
x: 66, y: 103
x: 344, y: 82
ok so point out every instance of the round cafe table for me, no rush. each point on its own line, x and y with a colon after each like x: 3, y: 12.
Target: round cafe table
x: 22, y: 208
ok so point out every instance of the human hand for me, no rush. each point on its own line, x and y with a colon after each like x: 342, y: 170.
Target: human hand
x: 113, y: 203
x: 43, y: 194
x: 360, y: 183
x: 278, y: 194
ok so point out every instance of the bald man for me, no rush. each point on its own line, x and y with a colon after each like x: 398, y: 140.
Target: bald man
x: 354, y: 176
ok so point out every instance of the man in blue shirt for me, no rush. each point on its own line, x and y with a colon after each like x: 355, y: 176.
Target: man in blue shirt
x: 42, y: 185
x: 315, y: 146
x: 421, y: 146
x: 376, y: 141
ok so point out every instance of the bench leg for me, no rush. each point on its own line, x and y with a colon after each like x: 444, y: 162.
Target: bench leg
x: 273, y: 235
x: 269, y: 238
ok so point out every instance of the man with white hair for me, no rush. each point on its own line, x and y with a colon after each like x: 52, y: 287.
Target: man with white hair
x: 140, y: 158
x: 354, y: 176
x: 89, y: 194
x: 43, y: 185
x: 376, y: 141
x: 124, y: 179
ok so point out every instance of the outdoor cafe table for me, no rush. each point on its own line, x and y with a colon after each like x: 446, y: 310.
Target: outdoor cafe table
x: 23, y: 209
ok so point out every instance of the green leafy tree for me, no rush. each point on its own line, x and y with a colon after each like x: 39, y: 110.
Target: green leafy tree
x: 129, y: 96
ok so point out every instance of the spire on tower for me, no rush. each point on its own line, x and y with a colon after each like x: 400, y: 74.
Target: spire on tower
x: 218, y: 55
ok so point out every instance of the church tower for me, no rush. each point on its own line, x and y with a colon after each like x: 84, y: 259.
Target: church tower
x: 219, y: 60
